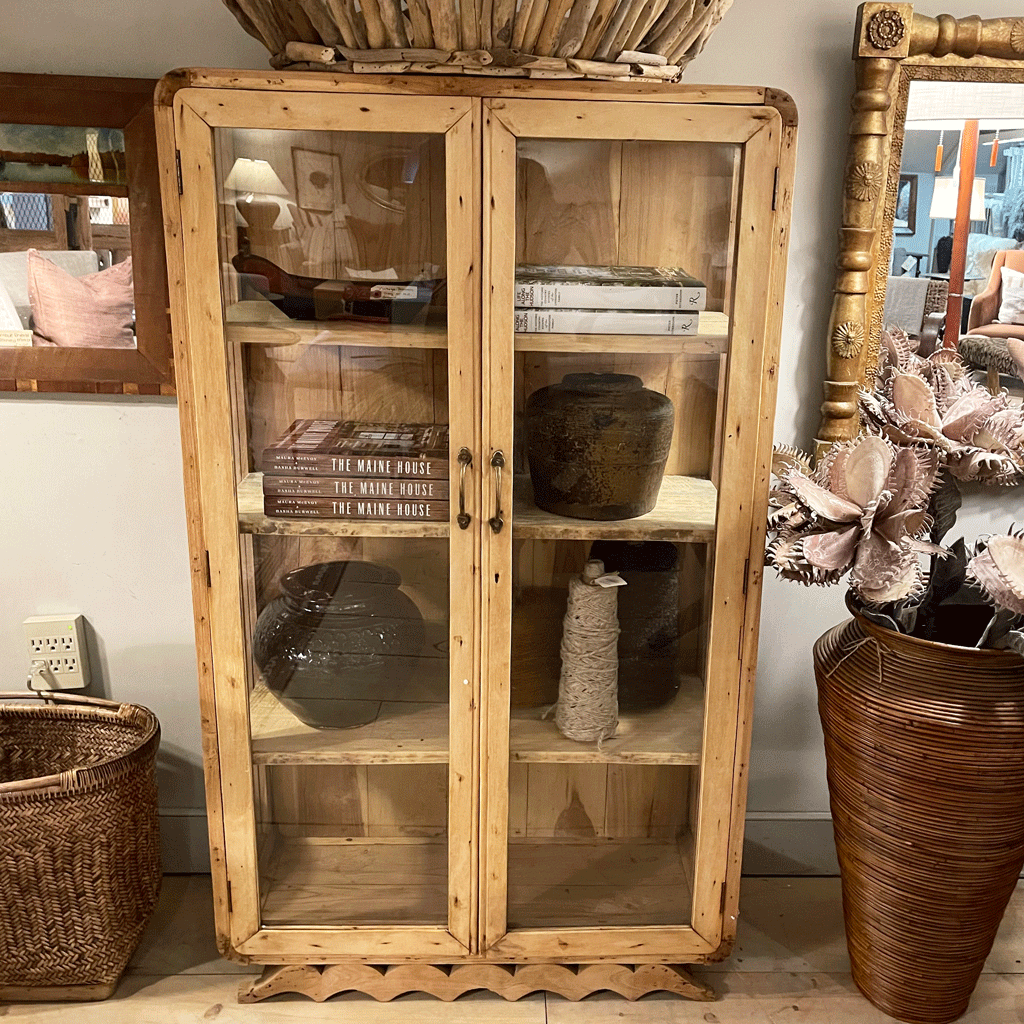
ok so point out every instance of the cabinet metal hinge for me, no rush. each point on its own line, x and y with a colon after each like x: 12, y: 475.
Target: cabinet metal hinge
x: 209, y: 575
x: 181, y: 185
x: 721, y: 909
x: 231, y: 906
x: 775, y: 186
x: 746, y: 574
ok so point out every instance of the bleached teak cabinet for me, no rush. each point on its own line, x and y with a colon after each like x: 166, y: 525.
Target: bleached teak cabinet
x: 457, y: 829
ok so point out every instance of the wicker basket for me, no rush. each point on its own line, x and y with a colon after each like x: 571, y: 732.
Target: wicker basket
x: 925, y: 749
x: 604, y: 39
x: 80, y: 851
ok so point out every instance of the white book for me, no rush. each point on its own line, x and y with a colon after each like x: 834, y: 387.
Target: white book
x: 589, y: 321
x: 571, y: 287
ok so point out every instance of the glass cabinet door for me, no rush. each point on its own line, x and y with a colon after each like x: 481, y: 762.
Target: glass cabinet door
x: 332, y: 298
x: 627, y: 257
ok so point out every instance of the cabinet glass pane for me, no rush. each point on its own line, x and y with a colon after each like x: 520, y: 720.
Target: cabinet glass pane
x: 625, y: 256
x: 332, y: 257
x: 594, y: 845
x: 354, y: 844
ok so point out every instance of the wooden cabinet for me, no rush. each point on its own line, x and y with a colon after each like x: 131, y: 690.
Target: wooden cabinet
x: 456, y: 825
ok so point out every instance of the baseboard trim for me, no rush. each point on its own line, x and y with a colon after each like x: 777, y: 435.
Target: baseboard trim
x: 777, y: 843
x: 788, y: 843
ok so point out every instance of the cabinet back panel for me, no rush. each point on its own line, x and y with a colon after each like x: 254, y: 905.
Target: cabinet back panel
x: 341, y: 382
x: 384, y: 801
x: 601, y: 202
x: 599, y: 801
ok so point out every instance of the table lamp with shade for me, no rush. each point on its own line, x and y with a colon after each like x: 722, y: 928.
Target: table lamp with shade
x: 258, y: 183
x: 945, y: 193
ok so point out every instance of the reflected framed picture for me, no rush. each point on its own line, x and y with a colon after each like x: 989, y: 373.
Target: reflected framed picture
x: 317, y: 177
x: 905, y: 221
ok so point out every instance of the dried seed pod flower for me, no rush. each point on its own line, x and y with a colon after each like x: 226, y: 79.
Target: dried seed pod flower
x: 873, y: 506
x: 863, y: 510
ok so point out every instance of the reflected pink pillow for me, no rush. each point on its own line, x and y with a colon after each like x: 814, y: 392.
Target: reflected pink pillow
x: 94, y: 311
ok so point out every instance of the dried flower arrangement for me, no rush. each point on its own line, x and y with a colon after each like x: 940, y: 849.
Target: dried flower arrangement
x: 872, y: 507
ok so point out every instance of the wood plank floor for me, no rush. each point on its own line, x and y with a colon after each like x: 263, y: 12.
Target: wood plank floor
x: 789, y: 966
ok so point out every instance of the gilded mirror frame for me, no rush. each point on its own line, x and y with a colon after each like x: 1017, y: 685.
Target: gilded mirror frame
x: 893, y: 46
x: 127, y: 104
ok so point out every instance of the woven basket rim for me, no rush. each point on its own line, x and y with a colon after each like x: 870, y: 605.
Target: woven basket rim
x: 879, y: 632
x: 89, y: 775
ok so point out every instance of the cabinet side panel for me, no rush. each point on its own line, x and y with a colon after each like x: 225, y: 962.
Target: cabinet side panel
x: 740, y: 507
x: 167, y: 145
x: 769, y: 388
x: 216, y: 450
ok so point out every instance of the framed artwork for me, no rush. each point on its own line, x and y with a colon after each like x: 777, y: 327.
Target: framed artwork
x: 316, y: 179
x: 905, y: 219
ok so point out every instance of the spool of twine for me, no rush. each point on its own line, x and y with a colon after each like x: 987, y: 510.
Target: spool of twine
x: 588, y: 706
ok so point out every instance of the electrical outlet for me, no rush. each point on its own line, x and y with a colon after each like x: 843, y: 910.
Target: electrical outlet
x: 59, y: 642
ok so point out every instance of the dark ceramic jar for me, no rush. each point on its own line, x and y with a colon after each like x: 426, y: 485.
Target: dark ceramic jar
x: 338, y: 630
x: 648, y: 611
x: 597, y: 445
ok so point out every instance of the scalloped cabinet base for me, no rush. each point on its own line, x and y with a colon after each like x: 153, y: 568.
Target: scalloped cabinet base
x: 511, y: 982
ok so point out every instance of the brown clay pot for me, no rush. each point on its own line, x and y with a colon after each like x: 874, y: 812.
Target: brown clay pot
x: 597, y: 445
x: 925, y: 749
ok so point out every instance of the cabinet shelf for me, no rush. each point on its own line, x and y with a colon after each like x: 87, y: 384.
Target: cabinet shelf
x: 402, y: 732
x: 669, y: 735
x: 712, y: 339
x: 252, y: 323
x: 685, y: 512
x: 251, y: 519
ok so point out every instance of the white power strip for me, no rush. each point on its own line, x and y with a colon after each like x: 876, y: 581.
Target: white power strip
x: 56, y: 652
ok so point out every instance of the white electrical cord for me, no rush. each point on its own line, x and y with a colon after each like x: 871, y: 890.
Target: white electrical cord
x: 42, y: 675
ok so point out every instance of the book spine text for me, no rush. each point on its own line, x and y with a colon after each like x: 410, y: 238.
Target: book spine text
x: 279, y: 460
x: 355, y: 487
x: 543, y: 295
x: 345, y: 508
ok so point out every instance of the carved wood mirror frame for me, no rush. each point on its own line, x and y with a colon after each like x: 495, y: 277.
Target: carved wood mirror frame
x: 127, y: 104
x: 893, y: 46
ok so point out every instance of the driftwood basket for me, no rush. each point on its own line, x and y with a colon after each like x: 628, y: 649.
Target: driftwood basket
x: 80, y: 849
x: 925, y: 750
x: 603, y: 39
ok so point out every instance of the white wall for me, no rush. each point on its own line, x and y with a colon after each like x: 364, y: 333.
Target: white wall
x: 111, y: 542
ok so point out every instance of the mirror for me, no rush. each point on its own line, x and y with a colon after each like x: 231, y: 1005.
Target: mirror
x: 917, y: 77
x: 83, y: 279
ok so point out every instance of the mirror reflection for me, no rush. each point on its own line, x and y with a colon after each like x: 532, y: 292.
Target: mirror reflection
x: 957, y: 266
x: 65, y: 248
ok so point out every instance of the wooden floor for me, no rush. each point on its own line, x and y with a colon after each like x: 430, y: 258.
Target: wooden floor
x: 790, y: 966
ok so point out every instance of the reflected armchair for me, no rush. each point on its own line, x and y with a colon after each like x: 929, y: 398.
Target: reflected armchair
x: 984, y: 345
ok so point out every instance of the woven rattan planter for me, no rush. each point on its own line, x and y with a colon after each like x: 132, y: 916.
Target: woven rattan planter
x: 79, y: 844
x: 604, y: 39
x: 925, y: 751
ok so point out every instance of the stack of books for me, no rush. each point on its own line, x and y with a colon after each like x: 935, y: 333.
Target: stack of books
x: 607, y: 300
x: 348, y: 469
